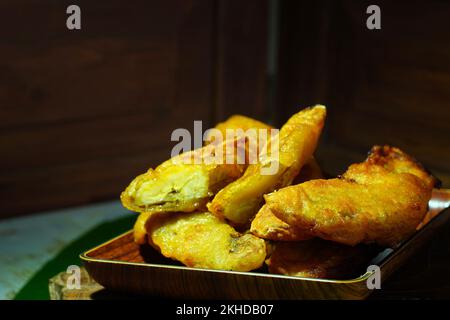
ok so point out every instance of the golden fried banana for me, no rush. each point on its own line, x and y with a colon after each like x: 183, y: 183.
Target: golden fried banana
x: 317, y: 258
x: 237, y: 122
x: 177, y: 186
x: 268, y: 226
x: 140, y: 229
x: 380, y: 200
x: 239, y: 201
x: 180, y: 183
x: 202, y: 240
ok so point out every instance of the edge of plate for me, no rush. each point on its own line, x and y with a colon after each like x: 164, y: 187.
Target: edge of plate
x: 85, y: 257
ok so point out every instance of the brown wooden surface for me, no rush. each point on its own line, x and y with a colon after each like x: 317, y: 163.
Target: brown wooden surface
x: 388, y: 86
x: 82, y: 112
x: 113, y: 265
x: 241, y: 58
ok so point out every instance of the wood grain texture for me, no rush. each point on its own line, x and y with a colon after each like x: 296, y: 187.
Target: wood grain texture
x: 123, y: 266
x: 85, y: 111
x: 241, y: 59
x: 388, y: 86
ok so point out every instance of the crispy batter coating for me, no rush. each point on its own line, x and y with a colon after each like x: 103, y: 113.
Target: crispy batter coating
x: 140, y: 229
x: 381, y: 200
x: 237, y: 122
x: 202, y: 240
x: 239, y: 201
x: 318, y: 258
x: 179, y: 184
x: 268, y: 226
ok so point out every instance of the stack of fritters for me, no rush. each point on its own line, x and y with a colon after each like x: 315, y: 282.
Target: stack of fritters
x: 233, y: 216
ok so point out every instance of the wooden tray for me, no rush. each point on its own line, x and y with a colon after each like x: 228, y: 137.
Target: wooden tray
x: 120, y: 264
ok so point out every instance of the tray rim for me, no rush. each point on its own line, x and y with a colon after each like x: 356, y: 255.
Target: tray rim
x: 84, y: 257
x: 384, y: 260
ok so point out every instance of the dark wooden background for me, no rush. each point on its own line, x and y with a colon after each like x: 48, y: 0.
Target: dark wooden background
x: 384, y: 86
x: 83, y: 112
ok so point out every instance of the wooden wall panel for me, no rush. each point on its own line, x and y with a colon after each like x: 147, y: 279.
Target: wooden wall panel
x: 83, y: 112
x: 241, y: 55
x: 383, y: 86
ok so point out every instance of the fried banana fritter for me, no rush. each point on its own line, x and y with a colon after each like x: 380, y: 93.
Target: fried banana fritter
x: 237, y: 122
x: 380, y: 200
x: 202, y: 240
x: 239, y: 201
x: 140, y: 228
x: 268, y: 226
x: 181, y: 184
x: 317, y: 258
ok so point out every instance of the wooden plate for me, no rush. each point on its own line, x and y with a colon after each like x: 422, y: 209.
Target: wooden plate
x: 120, y: 264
